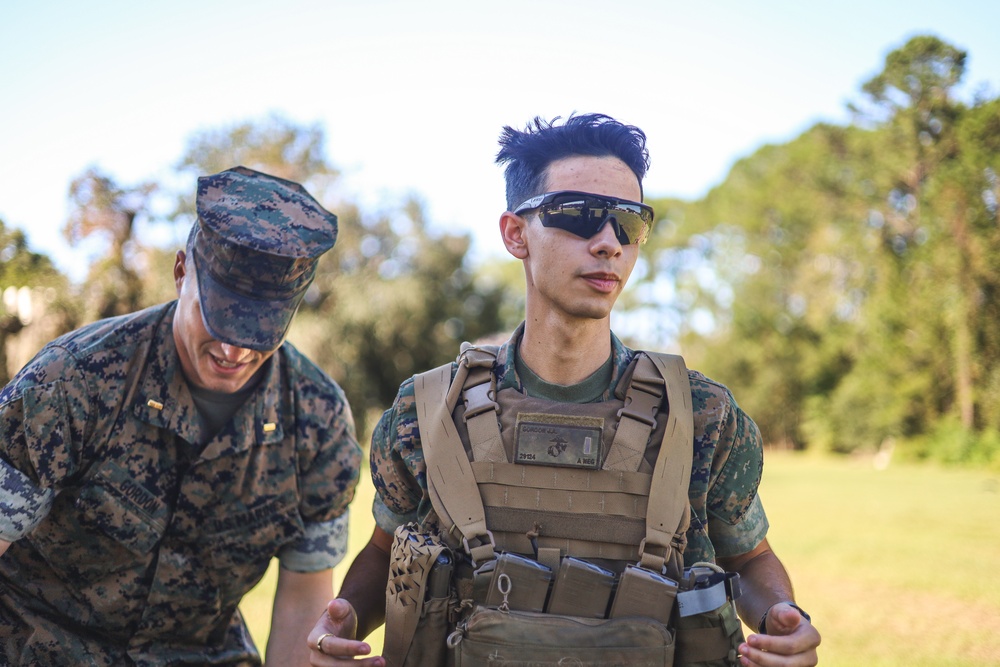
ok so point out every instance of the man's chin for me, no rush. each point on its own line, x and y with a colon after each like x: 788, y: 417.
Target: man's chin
x: 228, y: 386
x: 223, y: 384
x: 591, y: 312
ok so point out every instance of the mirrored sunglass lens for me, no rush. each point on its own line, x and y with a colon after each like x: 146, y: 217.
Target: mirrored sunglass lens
x: 631, y: 223
x: 638, y: 211
x: 574, y: 219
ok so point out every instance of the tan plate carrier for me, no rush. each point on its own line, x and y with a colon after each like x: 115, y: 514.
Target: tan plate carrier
x: 451, y: 476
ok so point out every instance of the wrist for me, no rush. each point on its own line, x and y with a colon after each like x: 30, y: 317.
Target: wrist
x: 762, y: 626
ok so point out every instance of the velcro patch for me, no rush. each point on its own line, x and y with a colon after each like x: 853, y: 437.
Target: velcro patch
x: 558, y: 440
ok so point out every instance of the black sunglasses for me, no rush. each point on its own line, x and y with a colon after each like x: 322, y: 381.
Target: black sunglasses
x: 584, y: 214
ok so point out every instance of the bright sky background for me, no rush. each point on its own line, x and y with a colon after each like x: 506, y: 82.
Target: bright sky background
x: 413, y: 94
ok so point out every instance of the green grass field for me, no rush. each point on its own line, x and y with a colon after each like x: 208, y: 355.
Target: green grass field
x: 897, y: 567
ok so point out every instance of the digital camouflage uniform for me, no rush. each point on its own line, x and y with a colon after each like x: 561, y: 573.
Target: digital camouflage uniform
x: 727, y: 518
x: 135, y: 533
x: 135, y: 548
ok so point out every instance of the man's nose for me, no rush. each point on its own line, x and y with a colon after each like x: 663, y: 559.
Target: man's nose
x: 606, y: 239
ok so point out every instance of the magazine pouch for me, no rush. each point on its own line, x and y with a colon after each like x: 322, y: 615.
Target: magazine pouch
x: 420, y: 601
x: 709, y: 632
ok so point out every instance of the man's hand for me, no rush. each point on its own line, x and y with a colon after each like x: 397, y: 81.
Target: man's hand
x: 332, y: 640
x: 790, y: 641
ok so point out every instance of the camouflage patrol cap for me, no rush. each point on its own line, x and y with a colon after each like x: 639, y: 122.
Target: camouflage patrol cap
x: 256, y: 244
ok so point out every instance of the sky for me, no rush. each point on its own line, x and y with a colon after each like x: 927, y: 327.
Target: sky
x: 413, y: 95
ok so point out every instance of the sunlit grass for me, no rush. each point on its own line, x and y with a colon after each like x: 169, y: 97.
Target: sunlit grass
x: 897, y: 566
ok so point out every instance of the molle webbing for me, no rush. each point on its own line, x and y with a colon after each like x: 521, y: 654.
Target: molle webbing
x: 594, y: 514
x: 608, y: 508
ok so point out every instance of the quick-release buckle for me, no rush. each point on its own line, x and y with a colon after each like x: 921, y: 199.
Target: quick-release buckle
x: 478, y: 400
x: 480, y: 547
x: 653, y: 556
x: 653, y: 549
x: 644, y: 405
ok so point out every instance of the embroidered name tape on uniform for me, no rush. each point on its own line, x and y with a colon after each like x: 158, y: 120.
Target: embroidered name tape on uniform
x: 558, y: 440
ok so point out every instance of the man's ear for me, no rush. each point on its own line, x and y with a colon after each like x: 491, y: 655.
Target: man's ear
x: 180, y: 270
x: 513, y: 231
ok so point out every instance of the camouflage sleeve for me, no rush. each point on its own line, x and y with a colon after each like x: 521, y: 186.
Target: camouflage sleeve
x: 330, y: 474
x: 329, y: 467
x: 323, y: 546
x: 43, y: 414
x: 22, y: 504
x: 737, y: 522
x: 397, y: 463
x: 739, y: 538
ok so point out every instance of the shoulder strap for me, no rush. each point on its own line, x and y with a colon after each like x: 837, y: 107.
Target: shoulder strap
x: 668, y: 513
x: 479, y: 393
x: 451, y: 484
x: 637, y: 418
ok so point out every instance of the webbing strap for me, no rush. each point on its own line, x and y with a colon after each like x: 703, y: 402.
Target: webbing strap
x: 581, y: 548
x: 550, y: 557
x: 567, y: 479
x: 563, y: 525
x: 669, y: 514
x: 701, y: 600
x: 616, y: 505
x: 451, y: 483
x: 637, y: 418
x: 479, y: 394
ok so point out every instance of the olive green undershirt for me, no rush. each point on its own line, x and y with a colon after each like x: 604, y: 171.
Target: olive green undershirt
x: 591, y: 389
x: 216, y: 408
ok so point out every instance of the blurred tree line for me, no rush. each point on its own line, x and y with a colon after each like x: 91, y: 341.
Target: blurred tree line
x: 845, y: 285
x: 393, y: 297
x: 23, y: 274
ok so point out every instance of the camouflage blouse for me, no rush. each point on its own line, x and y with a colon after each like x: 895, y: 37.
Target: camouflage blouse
x: 135, y: 534
x: 727, y: 518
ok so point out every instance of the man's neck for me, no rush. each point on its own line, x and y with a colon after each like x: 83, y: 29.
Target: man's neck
x: 562, y: 352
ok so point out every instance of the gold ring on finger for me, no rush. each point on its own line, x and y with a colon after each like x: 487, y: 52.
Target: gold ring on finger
x: 319, y: 642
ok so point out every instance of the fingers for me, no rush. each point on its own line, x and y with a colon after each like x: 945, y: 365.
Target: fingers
x: 784, y: 620
x: 332, y: 643
x: 758, y: 657
x: 326, y: 625
x: 795, y: 649
x: 339, y: 610
x: 332, y: 651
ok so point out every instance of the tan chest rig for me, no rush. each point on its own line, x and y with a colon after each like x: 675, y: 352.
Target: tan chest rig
x: 575, y: 476
x: 547, y: 480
